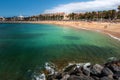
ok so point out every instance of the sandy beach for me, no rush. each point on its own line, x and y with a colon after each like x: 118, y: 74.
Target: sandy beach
x: 111, y: 29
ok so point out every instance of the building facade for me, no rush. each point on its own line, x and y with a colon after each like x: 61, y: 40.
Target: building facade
x: 2, y: 18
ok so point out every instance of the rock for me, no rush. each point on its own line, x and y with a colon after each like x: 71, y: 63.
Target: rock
x: 107, y: 72
x: 78, y: 65
x: 117, y: 76
x: 95, y: 77
x: 58, y: 76
x: 82, y: 77
x: 73, y: 69
x: 112, y: 59
x: 86, y: 72
x: 77, y: 71
x: 106, y: 78
x: 70, y: 69
x: 50, y: 77
x: 81, y: 71
x: 114, y: 66
x: 86, y: 69
x: 50, y: 68
x: 87, y: 66
x: 65, y: 77
x: 96, y: 70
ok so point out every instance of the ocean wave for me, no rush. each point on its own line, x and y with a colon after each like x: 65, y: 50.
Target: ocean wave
x: 114, y: 37
x: 104, y: 32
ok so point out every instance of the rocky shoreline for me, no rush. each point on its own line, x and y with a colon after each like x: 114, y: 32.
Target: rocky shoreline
x: 81, y: 71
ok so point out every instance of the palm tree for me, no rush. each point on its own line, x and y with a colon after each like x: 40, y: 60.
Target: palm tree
x: 61, y: 17
x: 72, y: 16
x: 80, y: 16
x: 113, y: 16
x: 99, y: 15
x: 119, y: 7
x: 93, y: 15
x: 88, y: 15
x: 118, y: 14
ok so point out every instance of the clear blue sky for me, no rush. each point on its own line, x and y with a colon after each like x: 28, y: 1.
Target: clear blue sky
x: 28, y: 7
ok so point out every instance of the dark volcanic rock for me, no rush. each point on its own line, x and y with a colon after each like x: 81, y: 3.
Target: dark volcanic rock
x: 106, y: 78
x: 86, y: 69
x: 65, y: 77
x: 110, y: 71
x: 95, y: 77
x: 73, y: 70
x: 77, y: 71
x: 114, y: 66
x: 117, y: 76
x: 96, y: 69
x: 107, y: 72
x: 82, y: 77
x: 70, y: 69
x: 50, y: 77
x: 58, y: 76
x: 86, y: 72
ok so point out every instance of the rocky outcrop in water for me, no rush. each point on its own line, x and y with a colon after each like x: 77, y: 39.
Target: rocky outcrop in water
x: 84, y: 71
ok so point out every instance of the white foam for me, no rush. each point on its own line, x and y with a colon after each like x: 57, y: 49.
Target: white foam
x: 84, y: 28
x: 114, y: 37
x: 112, y: 59
x: 78, y: 65
x: 40, y: 77
x: 104, y: 32
x: 49, y: 68
x: 70, y: 64
x: 98, y: 30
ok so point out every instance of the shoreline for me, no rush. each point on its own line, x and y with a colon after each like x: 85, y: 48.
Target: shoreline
x: 110, y: 29
x: 81, y: 71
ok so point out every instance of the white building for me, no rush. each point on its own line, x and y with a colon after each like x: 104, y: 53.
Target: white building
x: 20, y: 17
x: 2, y: 18
x: 66, y: 17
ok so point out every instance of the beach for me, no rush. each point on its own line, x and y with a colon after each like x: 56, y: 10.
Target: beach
x: 111, y: 29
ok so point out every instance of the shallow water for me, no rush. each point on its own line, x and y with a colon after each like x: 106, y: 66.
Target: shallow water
x: 25, y: 47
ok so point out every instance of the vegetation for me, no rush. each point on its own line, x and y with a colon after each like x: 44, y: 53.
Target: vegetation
x: 100, y: 15
x: 106, y: 15
x: 118, y: 15
x: 46, y: 17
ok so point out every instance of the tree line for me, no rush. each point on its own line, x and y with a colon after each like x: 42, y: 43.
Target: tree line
x: 107, y: 15
x: 99, y: 15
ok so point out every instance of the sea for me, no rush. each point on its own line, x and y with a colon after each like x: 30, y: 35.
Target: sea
x: 25, y: 48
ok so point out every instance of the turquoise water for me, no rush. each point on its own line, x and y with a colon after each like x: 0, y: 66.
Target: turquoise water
x: 26, y: 47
